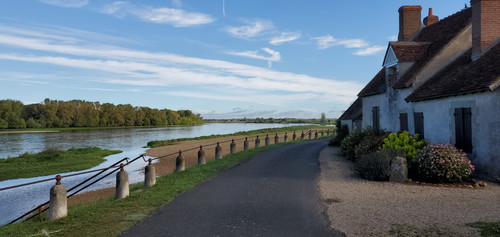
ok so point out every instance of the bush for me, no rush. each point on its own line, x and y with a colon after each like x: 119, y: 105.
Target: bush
x: 443, y: 163
x: 377, y: 165
x: 370, y: 143
x: 404, y: 141
x: 350, y: 143
x: 342, y: 132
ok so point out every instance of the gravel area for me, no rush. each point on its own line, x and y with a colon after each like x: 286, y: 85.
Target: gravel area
x: 359, y: 207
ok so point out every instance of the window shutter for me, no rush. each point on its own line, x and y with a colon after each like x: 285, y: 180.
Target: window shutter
x: 419, y: 124
x: 459, y: 129
x: 376, y: 118
x: 467, y: 114
x: 403, y: 122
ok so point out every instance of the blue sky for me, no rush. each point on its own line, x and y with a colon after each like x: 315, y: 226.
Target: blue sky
x: 219, y: 58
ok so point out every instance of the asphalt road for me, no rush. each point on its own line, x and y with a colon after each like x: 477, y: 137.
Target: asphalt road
x: 273, y: 194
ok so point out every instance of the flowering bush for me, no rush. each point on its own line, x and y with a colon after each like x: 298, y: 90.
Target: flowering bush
x: 404, y: 141
x: 443, y: 163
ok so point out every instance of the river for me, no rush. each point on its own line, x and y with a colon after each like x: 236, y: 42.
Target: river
x: 15, y: 202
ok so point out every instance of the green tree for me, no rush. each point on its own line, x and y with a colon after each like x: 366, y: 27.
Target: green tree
x: 323, y: 118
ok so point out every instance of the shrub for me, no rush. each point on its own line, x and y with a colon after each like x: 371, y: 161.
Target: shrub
x: 404, y: 141
x: 370, y: 143
x: 342, y: 132
x: 350, y: 143
x: 443, y: 163
x: 377, y: 165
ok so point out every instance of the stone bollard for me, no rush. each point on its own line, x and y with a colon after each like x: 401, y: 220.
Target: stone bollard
x: 285, y: 138
x: 294, y: 137
x: 232, y: 147
x: 201, y: 156
x: 316, y: 134
x: 257, y: 142
x: 245, y: 144
x: 322, y: 133
x: 267, y: 139
x: 122, y: 189
x: 218, y: 152
x: 399, y: 170
x: 149, y: 175
x: 179, y: 162
x: 328, y: 132
x: 58, y: 200
x: 276, y: 139
x: 302, y: 135
x: 310, y: 134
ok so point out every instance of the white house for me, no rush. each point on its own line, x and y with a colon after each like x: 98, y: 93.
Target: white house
x: 440, y: 80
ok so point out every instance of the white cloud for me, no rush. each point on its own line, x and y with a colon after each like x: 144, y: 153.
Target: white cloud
x: 66, y: 3
x: 106, y: 64
x: 285, y: 37
x: 165, y: 15
x: 274, y: 56
x: 328, y: 41
x: 253, y: 29
x: 393, y: 37
x: 364, y: 47
x: 369, y: 50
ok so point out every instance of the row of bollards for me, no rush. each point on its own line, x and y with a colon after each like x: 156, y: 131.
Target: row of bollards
x: 58, y: 193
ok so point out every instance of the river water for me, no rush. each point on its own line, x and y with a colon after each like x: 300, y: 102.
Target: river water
x: 15, y: 202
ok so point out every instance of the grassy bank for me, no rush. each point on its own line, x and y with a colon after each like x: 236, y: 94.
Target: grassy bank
x: 157, y: 143
x: 52, y: 161
x: 108, y: 217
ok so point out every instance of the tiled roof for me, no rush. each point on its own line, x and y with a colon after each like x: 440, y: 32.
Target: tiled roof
x: 438, y: 34
x: 463, y: 76
x: 375, y: 86
x: 354, y: 111
x: 409, y: 50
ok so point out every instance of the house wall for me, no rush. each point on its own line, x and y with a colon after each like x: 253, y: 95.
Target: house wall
x: 439, y: 125
x: 348, y: 123
x: 369, y: 102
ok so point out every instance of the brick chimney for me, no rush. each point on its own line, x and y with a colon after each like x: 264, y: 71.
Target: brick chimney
x: 485, y: 25
x: 409, y: 22
x: 430, y: 19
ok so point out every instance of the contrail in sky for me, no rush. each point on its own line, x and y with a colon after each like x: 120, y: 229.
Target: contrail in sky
x: 223, y: 9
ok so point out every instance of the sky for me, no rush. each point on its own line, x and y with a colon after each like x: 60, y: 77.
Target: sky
x: 218, y: 58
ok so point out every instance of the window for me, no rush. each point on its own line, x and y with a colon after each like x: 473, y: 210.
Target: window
x: 403, y: 122
x: 463, y: 129
x: 376, y: 118
x: 419, y: 124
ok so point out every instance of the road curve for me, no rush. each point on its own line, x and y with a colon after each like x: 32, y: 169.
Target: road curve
x: 273, y: 194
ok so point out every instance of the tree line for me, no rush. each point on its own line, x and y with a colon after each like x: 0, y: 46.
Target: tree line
x: 80, y: 113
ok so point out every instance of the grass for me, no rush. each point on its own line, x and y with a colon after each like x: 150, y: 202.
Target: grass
x: 52, y: 161
x: 487, y: 228
x: 108, y: 217
x: 157, y: 143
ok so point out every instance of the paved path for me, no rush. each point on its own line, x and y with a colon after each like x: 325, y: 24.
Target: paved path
x: 273, y: 194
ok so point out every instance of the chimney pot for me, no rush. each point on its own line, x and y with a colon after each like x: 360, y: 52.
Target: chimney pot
x: 430, y: 19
